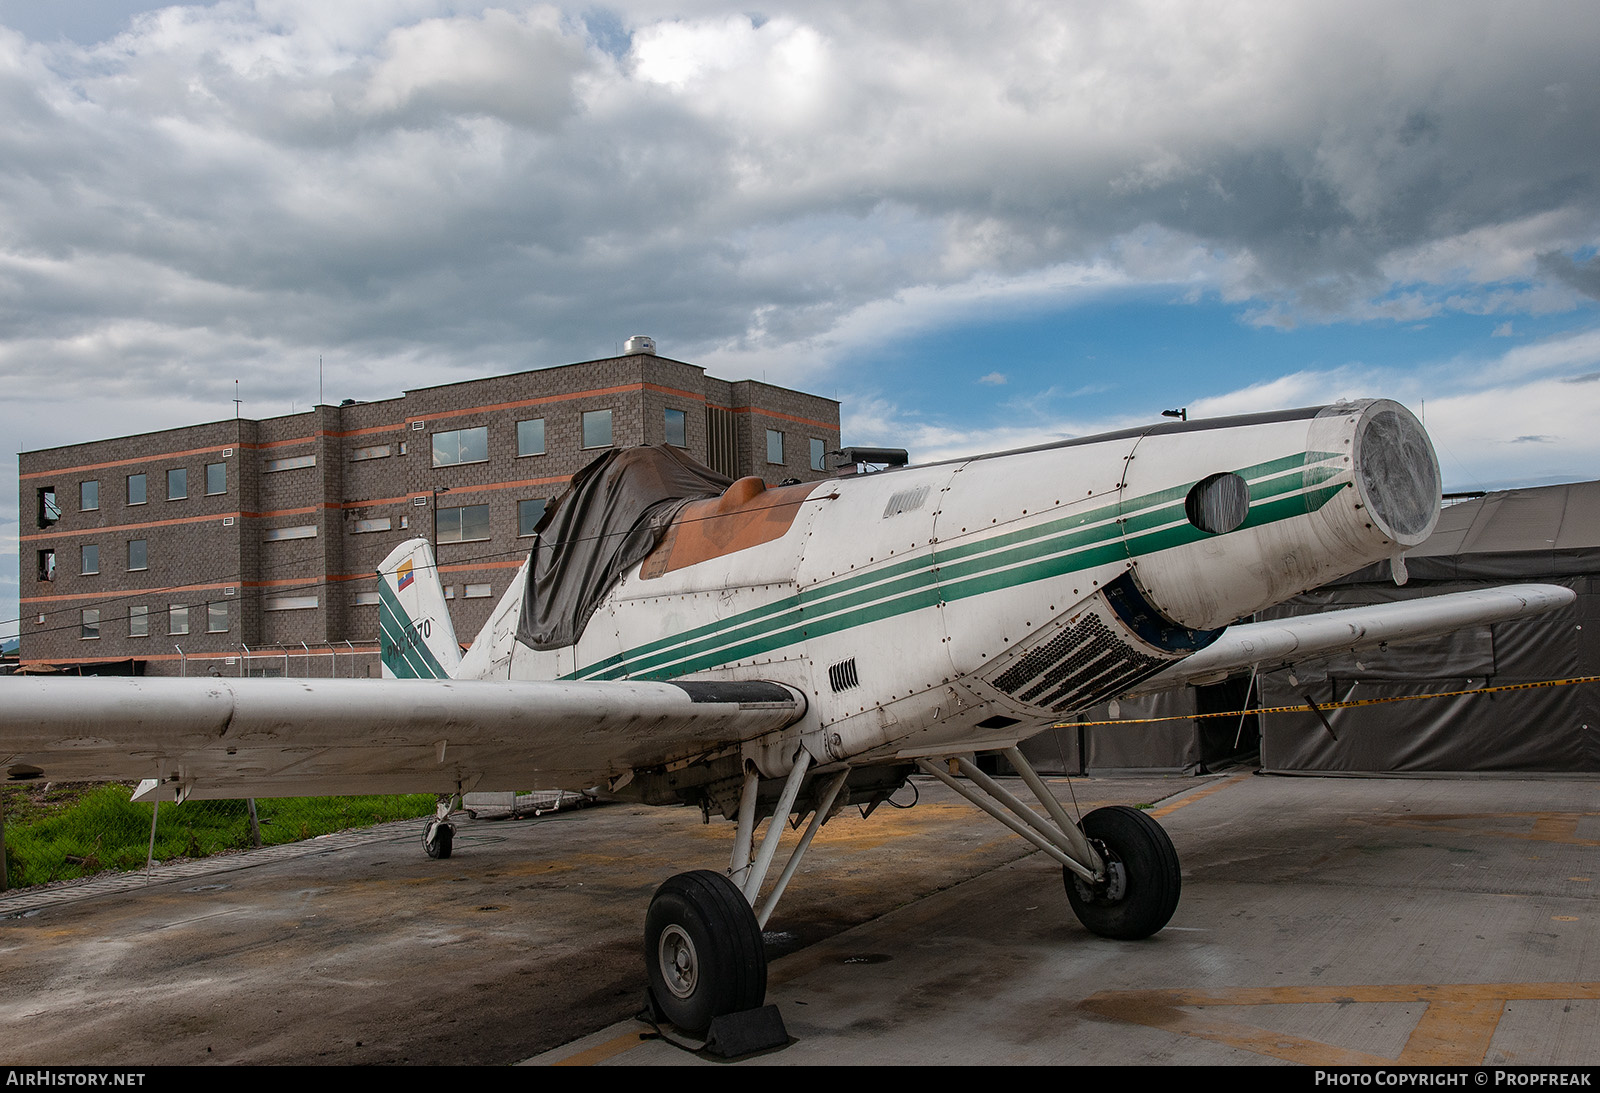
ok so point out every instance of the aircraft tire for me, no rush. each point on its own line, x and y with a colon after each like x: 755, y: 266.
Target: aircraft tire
x: 438, y: 839
x: 1140, y: 896
x: 703, y: 950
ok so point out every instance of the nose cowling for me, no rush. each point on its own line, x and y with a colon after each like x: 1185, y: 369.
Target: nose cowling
x: 1278, y: 508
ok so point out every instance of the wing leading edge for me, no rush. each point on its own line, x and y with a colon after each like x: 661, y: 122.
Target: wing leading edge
x: 215, y: 738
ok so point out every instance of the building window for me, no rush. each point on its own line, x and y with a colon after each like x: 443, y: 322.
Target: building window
x: 177, y: 484
x: 819, y: 453
x: 49, y: 508
x: 597, y: 429
x: 364, y: 599
x: 178, y: 619
x: 774, y: 446
x: 377, y: 523
x: 303, y: 531
x: 89, y: 627
x: 530, y: 437
x: 91, y: 559
x: 47, y: 565
x: 138, y: 622
x: 289, y: 463
x: 88, y: 496
x: 216, y: 618
x: 138, y: 554
x: 377, y: 451
x: 289, y: 603
x: 677, y: 425
x: 479, y: 591
x: 449, y: 591
x: 136, y: 489
x: 461, y: 446
x: 216, y: 478
x: 529, y: 513
x: 467, y: 524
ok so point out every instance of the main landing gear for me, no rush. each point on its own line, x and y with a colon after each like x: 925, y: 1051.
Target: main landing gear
x: 703, y: 950
x: 1120, y: 869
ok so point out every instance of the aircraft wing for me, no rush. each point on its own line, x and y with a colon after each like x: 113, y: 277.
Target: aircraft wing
x: 228, y: 738
x: 1269, y: 645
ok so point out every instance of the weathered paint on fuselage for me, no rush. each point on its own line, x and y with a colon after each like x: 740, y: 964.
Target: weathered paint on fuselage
x: 969, y: 603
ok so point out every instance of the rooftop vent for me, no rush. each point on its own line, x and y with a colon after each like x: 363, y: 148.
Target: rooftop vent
x: 639, y: 343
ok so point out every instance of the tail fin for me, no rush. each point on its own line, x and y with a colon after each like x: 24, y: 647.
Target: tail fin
x: 417, y: 638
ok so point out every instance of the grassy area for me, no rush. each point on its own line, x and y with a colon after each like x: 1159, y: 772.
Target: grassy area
x: 64, y: 831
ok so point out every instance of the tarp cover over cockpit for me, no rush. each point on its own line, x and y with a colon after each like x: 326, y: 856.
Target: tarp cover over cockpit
x: 611, y: 515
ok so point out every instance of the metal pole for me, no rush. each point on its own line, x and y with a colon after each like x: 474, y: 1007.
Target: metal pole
x: 5, y: 879
x: 255, y: 823
x: 150, y: 854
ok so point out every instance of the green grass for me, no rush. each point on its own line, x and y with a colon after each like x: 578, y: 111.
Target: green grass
x: 74, y: 831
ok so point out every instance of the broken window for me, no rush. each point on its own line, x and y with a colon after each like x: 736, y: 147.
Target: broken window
x: 49, y: 509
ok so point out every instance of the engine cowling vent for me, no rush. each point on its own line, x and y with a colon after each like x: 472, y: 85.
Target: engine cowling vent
x: 842, y: 676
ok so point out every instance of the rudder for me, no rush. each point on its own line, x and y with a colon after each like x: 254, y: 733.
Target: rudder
x: 416, y: 638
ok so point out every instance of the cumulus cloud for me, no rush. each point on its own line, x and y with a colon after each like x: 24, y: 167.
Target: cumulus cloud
x: 428, y: 190
x: 505, y: 182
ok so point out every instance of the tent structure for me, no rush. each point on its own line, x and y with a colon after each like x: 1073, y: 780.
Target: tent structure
x: 1549, y: 534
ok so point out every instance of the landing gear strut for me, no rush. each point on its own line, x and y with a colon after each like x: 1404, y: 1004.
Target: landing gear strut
x: 1121, y: 871
x: 703, y: 949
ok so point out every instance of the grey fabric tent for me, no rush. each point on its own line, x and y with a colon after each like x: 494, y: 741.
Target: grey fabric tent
x: 1549, y: 534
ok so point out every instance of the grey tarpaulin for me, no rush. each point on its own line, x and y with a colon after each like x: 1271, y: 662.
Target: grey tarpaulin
x: 611, y: 515
x: 1550, y: 534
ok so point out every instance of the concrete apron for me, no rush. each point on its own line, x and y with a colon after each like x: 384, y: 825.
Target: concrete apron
x: 1323, y: 920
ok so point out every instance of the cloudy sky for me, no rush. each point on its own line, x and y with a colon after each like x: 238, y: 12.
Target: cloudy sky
x: 977, y: 225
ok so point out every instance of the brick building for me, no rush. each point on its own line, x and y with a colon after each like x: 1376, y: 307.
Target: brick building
x: 245, y: 546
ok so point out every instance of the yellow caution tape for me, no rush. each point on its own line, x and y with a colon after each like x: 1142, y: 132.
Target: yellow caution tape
x: 1309, y: 708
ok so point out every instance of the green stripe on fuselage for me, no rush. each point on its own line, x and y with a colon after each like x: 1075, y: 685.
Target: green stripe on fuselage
x: 1156, y: 522
x: 400, y: 645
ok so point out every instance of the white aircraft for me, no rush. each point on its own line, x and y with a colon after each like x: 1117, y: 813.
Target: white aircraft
x: 773, y: 652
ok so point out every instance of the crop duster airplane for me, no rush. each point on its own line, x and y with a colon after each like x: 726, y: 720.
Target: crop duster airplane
x: 677, y: 638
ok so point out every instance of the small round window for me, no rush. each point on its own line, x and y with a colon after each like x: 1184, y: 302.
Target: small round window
x: 1218, y: 504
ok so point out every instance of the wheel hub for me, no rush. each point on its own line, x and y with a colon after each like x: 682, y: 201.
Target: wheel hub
x: 680, y: 969
x: 1115, y: 885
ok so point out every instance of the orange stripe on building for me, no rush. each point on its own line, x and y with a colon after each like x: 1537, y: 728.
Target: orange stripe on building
x: 134, y: 593
x: 55, y: 533
x: 823, y: 425
x: 130, y: 462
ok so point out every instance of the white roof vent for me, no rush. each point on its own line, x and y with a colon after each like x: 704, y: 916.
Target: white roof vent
x: 639, y: 343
